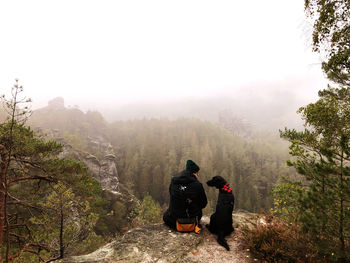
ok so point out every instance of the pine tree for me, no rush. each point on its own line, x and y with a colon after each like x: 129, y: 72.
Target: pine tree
x: 323, y: 158
x: 30, y: 169
x: 67, y: 220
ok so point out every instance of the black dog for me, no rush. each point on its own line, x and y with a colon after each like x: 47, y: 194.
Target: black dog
x: 221, y: 220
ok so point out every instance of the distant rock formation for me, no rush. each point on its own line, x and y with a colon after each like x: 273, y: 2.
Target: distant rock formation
x: 56, y: 104
x: 157, y: 243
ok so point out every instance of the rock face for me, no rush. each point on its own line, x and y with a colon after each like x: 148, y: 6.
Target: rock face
x: 157, y: 243
x: 98, y: 155
x: 104, y: 168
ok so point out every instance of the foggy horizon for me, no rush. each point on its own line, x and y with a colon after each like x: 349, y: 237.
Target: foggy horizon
x: 291, y: 93
x: 112, y: 54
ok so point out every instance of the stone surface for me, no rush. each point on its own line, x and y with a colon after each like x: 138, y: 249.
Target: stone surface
x: 158, y: 244
x: 244, y: 218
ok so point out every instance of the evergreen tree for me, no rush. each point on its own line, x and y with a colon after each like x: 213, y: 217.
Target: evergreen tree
x: 30, y: 169
x: 148, y: 211
x: 66, y: 220
x: 323, y: 158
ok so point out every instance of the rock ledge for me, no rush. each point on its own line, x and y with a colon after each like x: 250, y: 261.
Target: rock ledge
x: 157, y: 243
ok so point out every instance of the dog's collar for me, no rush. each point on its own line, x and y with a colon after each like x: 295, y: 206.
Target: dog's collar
x: 226, y: 188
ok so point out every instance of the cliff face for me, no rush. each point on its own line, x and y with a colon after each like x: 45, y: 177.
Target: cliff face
x: 157, y: 243
x: 104, y: 168
x: 83, y: 137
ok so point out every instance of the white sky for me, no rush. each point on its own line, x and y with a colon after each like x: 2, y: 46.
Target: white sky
x: 110, y: 51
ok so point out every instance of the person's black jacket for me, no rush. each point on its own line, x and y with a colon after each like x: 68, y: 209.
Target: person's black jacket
x: 187, y: 198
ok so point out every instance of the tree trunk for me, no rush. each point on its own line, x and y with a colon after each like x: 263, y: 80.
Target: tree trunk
x: 341, y: 223
x: 61, y: 231
x: 3, y: 170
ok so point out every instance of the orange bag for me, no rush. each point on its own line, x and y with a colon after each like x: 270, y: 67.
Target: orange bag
x: 186, y: 224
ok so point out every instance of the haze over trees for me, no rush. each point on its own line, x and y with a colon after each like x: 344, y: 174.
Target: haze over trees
x: 151, y: 151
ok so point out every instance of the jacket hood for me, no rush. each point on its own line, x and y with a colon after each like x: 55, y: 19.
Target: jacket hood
x: 185, y: 177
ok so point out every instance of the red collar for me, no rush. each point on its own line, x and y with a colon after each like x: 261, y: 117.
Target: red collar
x: 226, y: 188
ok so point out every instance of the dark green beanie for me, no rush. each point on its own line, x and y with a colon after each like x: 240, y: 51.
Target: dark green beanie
x: 192, y: 166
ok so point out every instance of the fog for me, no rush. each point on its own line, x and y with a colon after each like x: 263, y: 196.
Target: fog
x: 134, y: 59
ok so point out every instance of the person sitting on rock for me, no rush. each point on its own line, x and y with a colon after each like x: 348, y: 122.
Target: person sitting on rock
x: 187, y: 196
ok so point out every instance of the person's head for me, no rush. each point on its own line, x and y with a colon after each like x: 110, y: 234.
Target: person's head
x: 192, y: 167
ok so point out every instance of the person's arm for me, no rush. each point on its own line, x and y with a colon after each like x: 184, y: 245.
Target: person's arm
x: 203, y: 197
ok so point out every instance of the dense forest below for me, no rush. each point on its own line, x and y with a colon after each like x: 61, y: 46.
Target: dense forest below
x: 149, y: 151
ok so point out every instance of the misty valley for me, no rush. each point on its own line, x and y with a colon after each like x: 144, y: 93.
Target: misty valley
x: 132, y: 162
x: 147, y: 152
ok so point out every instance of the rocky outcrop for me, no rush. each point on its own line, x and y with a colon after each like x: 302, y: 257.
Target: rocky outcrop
x: 100, y: 144
x: 243, y: 218
x: 104, y: 170
x: 157, y: 243
x: 85, y: 132
x: 56, y: 104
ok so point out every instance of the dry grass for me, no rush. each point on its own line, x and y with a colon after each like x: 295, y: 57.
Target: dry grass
x: 275, y: 240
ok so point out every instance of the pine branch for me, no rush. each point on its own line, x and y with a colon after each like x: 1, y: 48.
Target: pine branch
x: 48, y: 178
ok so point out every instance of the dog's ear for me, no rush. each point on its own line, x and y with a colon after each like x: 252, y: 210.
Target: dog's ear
x: 220, y: 182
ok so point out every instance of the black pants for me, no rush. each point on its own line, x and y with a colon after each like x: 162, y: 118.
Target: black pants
x: 168, y: 220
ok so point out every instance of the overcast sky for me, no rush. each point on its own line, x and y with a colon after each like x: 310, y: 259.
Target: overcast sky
x: 109, y: 52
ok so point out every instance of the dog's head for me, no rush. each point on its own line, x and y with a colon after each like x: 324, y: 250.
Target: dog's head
x: 217, y: 181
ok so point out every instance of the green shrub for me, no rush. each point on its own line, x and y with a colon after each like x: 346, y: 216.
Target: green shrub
x: 148, y: 211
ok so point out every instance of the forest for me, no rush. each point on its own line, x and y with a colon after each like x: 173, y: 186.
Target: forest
x: 151, y: 151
